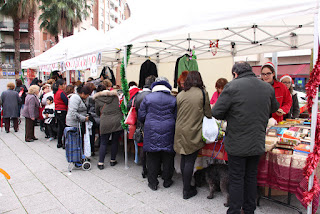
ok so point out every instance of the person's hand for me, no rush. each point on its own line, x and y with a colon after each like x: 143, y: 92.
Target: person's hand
x: 47, y: 115
x: 32, y: 118
x: 280, y: 112
x: 87, y: 118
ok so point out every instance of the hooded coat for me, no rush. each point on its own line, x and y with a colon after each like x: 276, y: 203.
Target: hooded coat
x: 107, y: 107
x: 158, y: 112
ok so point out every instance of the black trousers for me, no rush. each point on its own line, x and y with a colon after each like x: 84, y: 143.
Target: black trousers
x: 29, y: 131
x: 154, y: 161
x: 187, y: 165
x: 61, y: 119
x: 104, y: 140
x: 93, y: 136
x: 242, y: 183
x: 7, y: 123
x: 49, y: 130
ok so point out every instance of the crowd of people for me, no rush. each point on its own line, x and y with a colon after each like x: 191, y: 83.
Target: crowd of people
x: 171, y: 123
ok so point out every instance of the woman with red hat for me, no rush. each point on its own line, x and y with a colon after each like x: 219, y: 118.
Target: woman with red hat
x: 281, y: 91
x: 295, y: 109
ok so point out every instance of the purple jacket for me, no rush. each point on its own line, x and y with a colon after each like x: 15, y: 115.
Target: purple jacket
x: 31, y: 107
x: 158, y: 112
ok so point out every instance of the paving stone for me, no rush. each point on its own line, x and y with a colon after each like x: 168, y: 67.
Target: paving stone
x: 39, y: 198
x: 43, y: 207
x: 9, y: 202
x: 28, y: 188
x: 49, y: 175
x: 21, y: 175
x: 16, y: 211
x: 80, y: 202
x: 61, y: 187
x: 141, y: 209
x: 118, y: 201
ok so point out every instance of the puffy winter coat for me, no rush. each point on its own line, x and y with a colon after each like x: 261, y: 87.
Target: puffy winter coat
x: 77, y: 110
x: 246, y: 103
x: 158, y: 112
x: 107, y: 107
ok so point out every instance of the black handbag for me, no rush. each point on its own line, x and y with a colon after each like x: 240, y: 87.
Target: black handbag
x: 138, y: 135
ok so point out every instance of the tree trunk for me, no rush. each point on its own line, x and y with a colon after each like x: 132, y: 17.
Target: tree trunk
x: 56, y: 38
x: 16, y: 36
x: 31, y: 19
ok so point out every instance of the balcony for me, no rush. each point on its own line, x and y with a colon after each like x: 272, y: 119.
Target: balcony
x: 9, y: 47
x: 113, y: 23
x: 8, y: 26
x: 115, y: 3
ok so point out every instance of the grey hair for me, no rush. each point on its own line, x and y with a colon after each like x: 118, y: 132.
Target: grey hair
x: 159, y: 79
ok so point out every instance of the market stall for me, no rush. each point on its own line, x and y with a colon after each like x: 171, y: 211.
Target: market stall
x: 212, y: 30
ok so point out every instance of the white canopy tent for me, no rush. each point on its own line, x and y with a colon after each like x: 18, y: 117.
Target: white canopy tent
x: 167, y: 29
x: 60, y: 52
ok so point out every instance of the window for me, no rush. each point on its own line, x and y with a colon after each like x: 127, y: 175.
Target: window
x: 9, y: 59
x: 44, y: 35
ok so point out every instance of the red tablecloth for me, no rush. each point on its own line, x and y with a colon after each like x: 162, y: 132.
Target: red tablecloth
x: 208, y: 148
x: 278, y: 171
x: 285, y: 172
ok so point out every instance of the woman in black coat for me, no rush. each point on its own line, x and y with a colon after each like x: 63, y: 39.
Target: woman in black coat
x: 22, y: 91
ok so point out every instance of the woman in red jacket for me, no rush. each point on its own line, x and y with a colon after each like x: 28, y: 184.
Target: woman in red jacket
x: 281, y: 91
x: 61, y: 107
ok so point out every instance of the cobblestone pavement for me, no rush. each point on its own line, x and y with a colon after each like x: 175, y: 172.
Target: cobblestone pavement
x: 41, y: 183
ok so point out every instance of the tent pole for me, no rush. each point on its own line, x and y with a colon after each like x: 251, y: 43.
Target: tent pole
x: 275, y: 62
x: 315, y: 103
x: 125, y: 131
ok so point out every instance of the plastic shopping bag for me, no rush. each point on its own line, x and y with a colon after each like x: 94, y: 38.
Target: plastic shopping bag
x: 210, y: 130
x: 86, y: 139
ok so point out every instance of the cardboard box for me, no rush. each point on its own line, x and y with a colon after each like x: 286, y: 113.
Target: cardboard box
x: 274, y: 192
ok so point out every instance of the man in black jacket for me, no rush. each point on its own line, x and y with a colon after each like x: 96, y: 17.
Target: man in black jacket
x: 246, y: 103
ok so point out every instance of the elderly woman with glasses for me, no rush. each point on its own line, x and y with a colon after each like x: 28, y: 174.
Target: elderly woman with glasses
x: 281, y: 91
x: 295, y: 109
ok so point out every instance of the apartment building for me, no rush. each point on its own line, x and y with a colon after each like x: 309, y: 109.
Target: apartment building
x: 7, y: 44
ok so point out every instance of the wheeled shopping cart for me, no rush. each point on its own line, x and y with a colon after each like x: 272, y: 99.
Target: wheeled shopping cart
x: 74, y: 149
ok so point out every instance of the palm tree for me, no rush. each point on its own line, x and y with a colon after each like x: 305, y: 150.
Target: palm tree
x: 31, y: 7
x: 13, y: 9
x: 62, y: 16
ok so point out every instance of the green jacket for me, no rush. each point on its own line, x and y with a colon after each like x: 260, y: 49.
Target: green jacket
x: 186, y: 64
x: 190, y: 113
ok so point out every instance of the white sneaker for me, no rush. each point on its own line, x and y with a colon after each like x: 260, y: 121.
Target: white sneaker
x: 50, y: 139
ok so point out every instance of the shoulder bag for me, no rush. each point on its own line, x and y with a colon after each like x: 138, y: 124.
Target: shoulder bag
x: 210, y: 128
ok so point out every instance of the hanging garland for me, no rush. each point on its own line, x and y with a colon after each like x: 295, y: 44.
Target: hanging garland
x: 125, y: 88
x: 314, y: 157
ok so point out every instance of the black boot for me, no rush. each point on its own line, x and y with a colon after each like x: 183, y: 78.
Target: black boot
x: 189, y: 193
